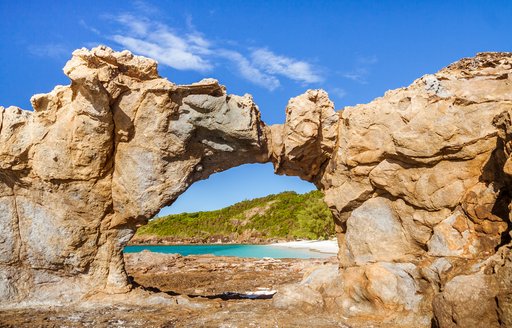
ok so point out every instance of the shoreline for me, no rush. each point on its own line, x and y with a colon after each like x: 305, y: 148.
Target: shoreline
x: 321, y: 246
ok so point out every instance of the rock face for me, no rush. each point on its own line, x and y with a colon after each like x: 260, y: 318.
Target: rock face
x: 419, y: 185
x: 418, y: 181
x: 99, y: 157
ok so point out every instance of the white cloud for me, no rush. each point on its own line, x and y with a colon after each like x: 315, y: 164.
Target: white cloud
x: 158, y: 41
x: 291, y: 68
x: 145, y: 7
x: 338, y: 92
x: 248, y: 71
x: 52, y: 50
x: 191, y: 50
x: 358, y: 75
x: 137, y: 27
x: 362, y: 70
x: 175, y: 57
x: 90, y: 28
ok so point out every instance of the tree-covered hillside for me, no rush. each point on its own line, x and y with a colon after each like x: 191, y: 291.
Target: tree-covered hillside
x: 287, y: 215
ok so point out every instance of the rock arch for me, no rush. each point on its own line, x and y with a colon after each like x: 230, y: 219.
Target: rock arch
x: 418, y: 182
x: 101, y: 156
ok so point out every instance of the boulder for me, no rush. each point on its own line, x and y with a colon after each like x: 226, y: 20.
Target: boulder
x: 468, y: 301
x: 375, y: 233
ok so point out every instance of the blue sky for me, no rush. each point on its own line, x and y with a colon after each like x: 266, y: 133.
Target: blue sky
x: 274, y: 50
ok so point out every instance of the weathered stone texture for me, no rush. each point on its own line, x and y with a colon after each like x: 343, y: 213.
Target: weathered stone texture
x: 418, y: 187
x: 418, y: 181
x: 100, y: 156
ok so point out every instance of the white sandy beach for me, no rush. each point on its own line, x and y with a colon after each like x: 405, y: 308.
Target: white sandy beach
x: 323, y: 246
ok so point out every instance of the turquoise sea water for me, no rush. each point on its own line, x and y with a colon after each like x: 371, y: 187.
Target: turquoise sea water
x: 254, y: 251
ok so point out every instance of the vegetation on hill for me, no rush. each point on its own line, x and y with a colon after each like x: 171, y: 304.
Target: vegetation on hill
x: 286, y: 215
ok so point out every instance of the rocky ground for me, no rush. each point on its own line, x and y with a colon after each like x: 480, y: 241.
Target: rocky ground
x: 228, y: 314
x: 205, y: 288
x: 210, y: 276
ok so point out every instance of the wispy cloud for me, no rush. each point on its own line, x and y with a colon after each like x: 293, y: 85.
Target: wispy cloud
x: 156, y: 40
x: 136, y: 27
x: 190, y: 49
x: 88, y: 27
x: 249, y: 72
x: 52, y: 50
x: 358, y: 75
x: 338, y: 92
x: 362, y: 69
x: 291, y: 68
x: 367, y: 60
x: 145, y: 7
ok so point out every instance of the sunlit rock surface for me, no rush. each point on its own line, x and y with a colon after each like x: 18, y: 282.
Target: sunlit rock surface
x: 418, y: 182
x: 100, y: 156
x: 419, y: 185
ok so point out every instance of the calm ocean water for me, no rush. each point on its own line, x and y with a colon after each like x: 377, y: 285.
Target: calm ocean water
x: 254, y: 251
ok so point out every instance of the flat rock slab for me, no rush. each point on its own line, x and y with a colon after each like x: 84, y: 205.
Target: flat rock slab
x: 208, y: 276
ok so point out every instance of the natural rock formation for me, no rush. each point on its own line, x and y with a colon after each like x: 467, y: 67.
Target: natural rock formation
x: 99, y: 157
x: 419, y: 183
x: 304, y: 144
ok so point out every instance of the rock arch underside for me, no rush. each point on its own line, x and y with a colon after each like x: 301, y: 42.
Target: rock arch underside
x: 418, y: 181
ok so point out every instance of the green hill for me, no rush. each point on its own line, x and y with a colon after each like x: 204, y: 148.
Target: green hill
x: 287, y: 215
